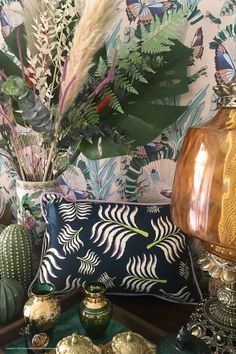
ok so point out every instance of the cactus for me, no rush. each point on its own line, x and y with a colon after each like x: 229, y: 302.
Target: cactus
x: 12, y: 299
x: 16, y: 254
x: 2, y: 227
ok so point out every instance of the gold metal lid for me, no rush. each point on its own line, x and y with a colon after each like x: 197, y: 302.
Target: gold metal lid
x: 227, y: 94
x: 77, y: 344
x: 131, y: 343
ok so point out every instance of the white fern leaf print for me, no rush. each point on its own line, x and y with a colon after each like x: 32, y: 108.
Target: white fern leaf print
x: 169, y: 238
x: 115, y: 228
x: 70, y: 239
x: 184, y: 270
x: 49, y: 265
x: 72, y: 211
x: 74, y: 284
x: 153, y: 209
x: 105, y: 279
x: 180, y: 296
x: 142, y: 274
x: 88, y: 263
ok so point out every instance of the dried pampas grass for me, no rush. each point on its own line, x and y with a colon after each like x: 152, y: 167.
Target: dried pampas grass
x: 90, y: 34
x: 80, y: 5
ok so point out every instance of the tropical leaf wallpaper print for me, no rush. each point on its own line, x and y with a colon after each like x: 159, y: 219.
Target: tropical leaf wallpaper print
x: 212, y: 36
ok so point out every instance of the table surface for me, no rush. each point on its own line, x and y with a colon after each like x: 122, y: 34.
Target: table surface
x: 148, y: 316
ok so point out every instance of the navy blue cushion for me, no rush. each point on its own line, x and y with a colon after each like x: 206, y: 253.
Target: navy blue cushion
x: 132, y: 248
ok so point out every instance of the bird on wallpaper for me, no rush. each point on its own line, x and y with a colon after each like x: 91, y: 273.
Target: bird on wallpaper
x: 5, y: 24
x: 225, y: 66
x: 70, y: 193
x: 139, y: 9
x: 197, y: 46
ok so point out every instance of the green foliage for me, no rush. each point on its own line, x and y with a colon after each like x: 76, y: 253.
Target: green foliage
x: 115, y: 111
x: 14, y: 86
x: 17, y: 41
x: 8, y: 66
x: 158, y: 38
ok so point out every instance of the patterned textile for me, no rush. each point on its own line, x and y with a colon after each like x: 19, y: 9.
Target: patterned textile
x: 132, y: 248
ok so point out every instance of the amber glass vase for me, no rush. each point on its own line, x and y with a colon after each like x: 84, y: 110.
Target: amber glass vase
x: 204, y: 191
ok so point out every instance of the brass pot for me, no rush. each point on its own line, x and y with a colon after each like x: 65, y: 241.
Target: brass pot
x: 42, y: 309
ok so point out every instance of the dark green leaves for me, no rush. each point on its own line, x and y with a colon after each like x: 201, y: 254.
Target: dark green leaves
x: 101, y: 147
x: 7, y: 65
x: 171, y: 79
x: 15, y: 86
x: 145, y: 124
x: 16, y: 42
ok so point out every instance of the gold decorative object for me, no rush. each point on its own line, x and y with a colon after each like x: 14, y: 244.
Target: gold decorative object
x: 42, y: 309
x: 95, y: 310
x: 77, y: 344
x: 204, y: 206
x: 129, y: 343
x: 40, y: 341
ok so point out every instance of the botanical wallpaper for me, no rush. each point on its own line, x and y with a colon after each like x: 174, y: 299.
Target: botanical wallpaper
x: 147, y: 175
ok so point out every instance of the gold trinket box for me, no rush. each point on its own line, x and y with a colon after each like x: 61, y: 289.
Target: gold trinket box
x: 129, y: 343
x: 76, y: 344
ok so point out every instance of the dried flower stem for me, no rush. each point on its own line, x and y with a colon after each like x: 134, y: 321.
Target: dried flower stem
x: 15, y: 142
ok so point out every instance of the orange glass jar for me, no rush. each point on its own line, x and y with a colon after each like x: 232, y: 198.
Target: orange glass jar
x: 204, y: 192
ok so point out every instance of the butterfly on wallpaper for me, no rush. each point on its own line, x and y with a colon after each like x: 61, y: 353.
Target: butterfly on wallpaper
x: 229, y: 8
x: 5, y: 24
x: 226, y: 70
x: 142, y: 152
x: 70, y: 193
x: 138, y: 9
x: 197, y: 46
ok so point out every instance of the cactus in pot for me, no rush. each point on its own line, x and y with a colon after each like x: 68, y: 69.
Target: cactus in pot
x: 16, y: 254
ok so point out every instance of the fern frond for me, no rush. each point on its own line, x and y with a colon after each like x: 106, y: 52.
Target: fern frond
x: 101, y: 68
x: 160, y: 38
x: 135, y: 74
x: 89, y: 113
x: 115, y: 103
x: 123, y: 83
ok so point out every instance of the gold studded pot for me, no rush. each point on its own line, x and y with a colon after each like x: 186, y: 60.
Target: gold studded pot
x: 76, y: 344
x: 95, y: 310
x: 42, y: 309
x: 131, y: 343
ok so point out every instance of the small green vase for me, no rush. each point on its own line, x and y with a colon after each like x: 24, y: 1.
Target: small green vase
x: 95, y: 310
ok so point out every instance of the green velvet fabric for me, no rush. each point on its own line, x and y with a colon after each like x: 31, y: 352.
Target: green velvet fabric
x: 68, y: 323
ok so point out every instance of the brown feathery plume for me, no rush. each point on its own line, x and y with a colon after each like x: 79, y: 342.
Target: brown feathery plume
x: 90, y: 34
x: 32, y: 11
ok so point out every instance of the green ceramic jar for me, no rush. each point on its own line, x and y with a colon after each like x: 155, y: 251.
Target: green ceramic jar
x: 95, y: 310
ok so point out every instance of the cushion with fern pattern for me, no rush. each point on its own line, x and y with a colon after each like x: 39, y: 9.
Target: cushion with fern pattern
x: 132, y: 248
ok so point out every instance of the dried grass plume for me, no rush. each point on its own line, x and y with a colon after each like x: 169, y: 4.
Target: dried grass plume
x: 90, y: 34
